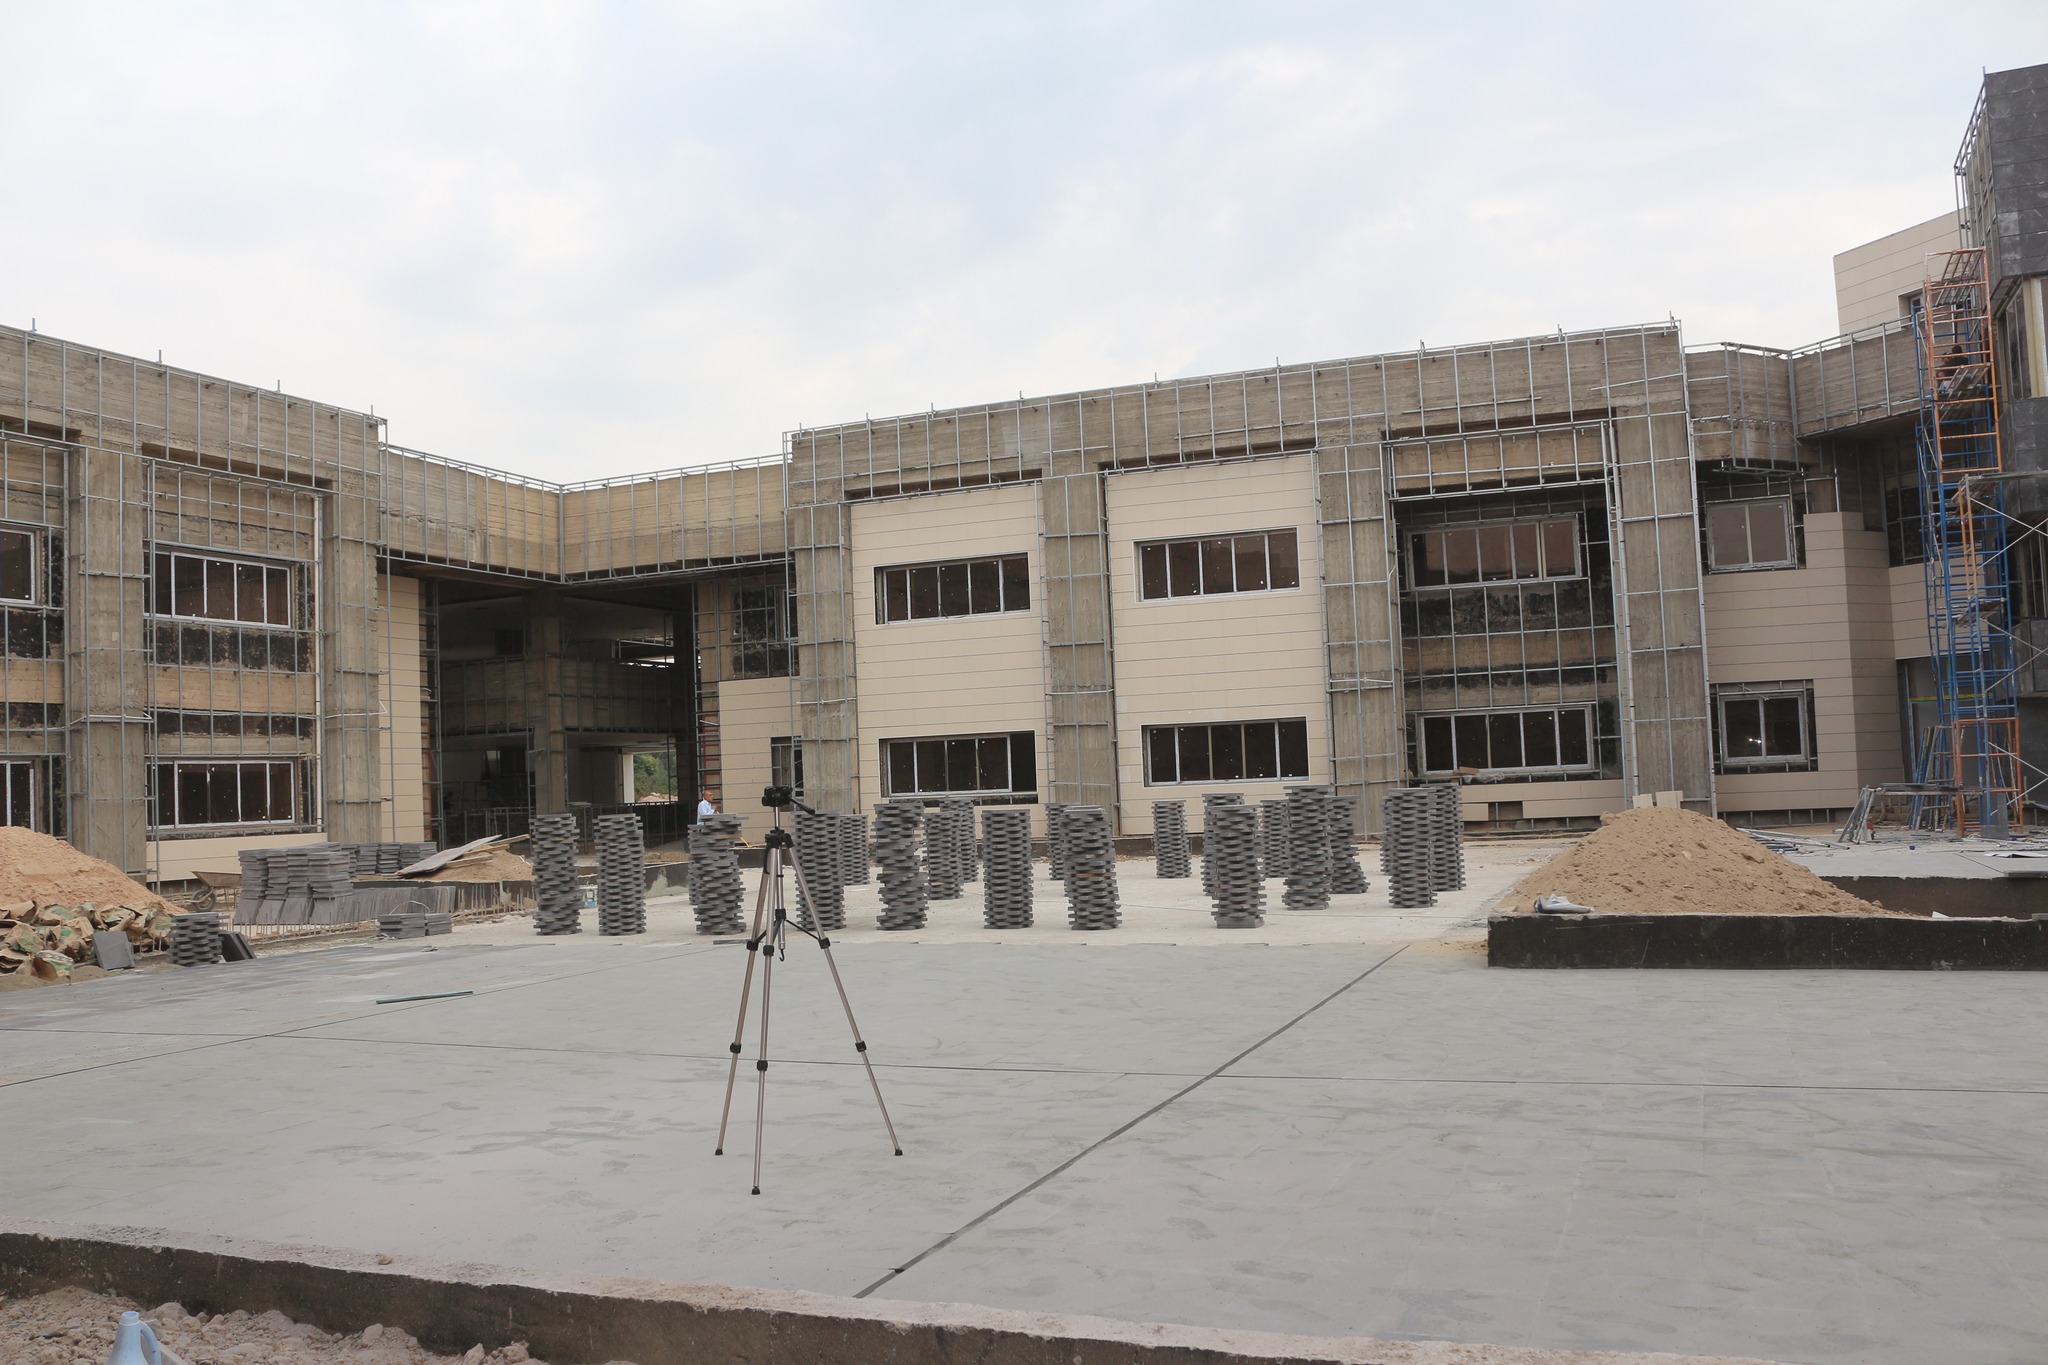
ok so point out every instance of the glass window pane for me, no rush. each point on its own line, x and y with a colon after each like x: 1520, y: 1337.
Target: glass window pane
x: 1504, y: 739
x: 1151, y: 572
x: 931, y: 765
x: 992, y: 764
x: 1496, y: 554
x: 277, y: 588
x: 1461, y: 558
x: 1426, y: 559
x: 1471, y: 736
x: 1560, y: 549
x: 1017, y: 583
x: 255, y: 784
x: 220, y: 589
x: 1218, y: 566
x: 1226, y: 753
x: 1784, y: 734
x: 924, y: 593
x: 1161, y: 764
x: 1293, y: 747
x: 901, y: 765
x: 1539, y: 739
x: 984, y: 587
x: 1285, y: 570
x: 1438, y: 754
x: 160, y: 584
x: 1251, y: 563
x: 893, y: 592
x: 1770, y: 533
x: 188, y: 586
x: 953, y: 590
x: 1194, y: 753
x: 1727, y: 536
x: 1742, y: 728
x: 960, y: 765
x: 1184, y: 568
x: 1261, y: 750
x: 192, y: 798
x: 283, y: 785
x: 224, y: 788
x: 1528, y: 541
x: 1023, y: 763
x: 250, y: 604
x: 17, y: 566
x: 166, y: 813
x: 1574, y: 745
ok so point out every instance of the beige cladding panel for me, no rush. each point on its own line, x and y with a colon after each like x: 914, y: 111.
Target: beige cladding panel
x: 1870, y: 278
x: 750, y: 715
x: 404, y: 777
x: 1251, y: 656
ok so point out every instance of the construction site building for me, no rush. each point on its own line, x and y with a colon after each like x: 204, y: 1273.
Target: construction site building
x: 1566, y: 570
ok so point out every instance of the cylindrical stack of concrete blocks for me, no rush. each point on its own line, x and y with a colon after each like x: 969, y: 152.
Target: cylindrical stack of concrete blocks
x: 897, y: 827
x: 821, y: 891
x: 1006, y: 880
x: 853, y: 848
x: 1210, y: 802
x: 1447, y: 868
x: 962, y: 810
x: 1347, y: 878
x: 716, y: 887
x: 1230, y: 845
x: 1407, y: 847
x: 621, y: 875
x: 1273, y: 837
x: 195, y: 938
x: 1055, y: 841
x: 1092, y: 900
x: 1308, y: 849
x: 1170, y: 838
x: 558, y: 901
x: 942, y: 853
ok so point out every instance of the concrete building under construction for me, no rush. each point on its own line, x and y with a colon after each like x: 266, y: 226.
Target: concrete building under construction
x: 1564, y: 570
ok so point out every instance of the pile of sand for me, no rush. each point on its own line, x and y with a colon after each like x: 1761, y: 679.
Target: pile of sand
x: 485, y: 865
x: 35, y: 867
x: 1666, y: 861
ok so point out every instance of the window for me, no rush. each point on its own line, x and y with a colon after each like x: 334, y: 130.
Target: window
x: 1230, y: 751
x: 209, y: 588
x: 1765, y: 725
x: 18, y: 794
x: 760, y: 636
x: 1904, y: 531
x: 961, y: 587
x: 1254, y: 561
x: 199, y: 794
x: 175, y: 722
x: 786, y: 763
x: 1500, y: 553
x: 1750, y: 535
x: 17, y: 567
x: 1552, y: 739
x: 961, y: 765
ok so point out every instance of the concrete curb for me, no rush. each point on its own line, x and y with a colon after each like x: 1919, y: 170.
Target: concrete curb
x: 587, y: 1320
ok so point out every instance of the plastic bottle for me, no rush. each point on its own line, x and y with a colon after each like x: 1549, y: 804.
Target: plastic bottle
x: 134, y: 1343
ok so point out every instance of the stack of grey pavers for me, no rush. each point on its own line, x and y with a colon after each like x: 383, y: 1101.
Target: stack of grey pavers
x: 195, y: 938
x: 897, y: 827
x: 621, y: 875
x: 716, y: 887
x: 1006, y: 880
x: 1273, y: 836
x: 1092, y: 901
x: 1308, y: 849
x: 1447, y: 866
x: 1347, y: 878
x: 414, y: 922
x: 1170, y: 838
x: 1209, y: 803
x: 309, y: 884
x: 970, y: 853
x: 558, y: 901
x: 1230, y: 848
x: 853, y: 848
x: 249, y: 899
x: 1408, y: 845
x: 942, y: 860
x: 821, y: 891
x: 1055, y: 841
x: 328, y: 881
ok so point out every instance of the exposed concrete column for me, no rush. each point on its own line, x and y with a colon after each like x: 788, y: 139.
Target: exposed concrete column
x: 547, y: 745
x: 1080, y: 698
x: 353, y: 716
x: 820, y: 541
x: 106, y: 660
x: 1361, y: 638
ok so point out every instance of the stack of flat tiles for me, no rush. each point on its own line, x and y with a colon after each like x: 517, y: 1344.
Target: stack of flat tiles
x: 853, y: 848
x: 897, y: 827
x: 943, y: 868
x: 195, y: 938
x: 1006, y: 887
x: 249, y: 899
x: 621, y: 875
x: 1170, y: 838
x: 1308, y: 849
x: 1055, y: 840
x: 411, y: 923
x: 1230, y: 843
x: 1209, y: 803
x: 1447, y: 865
x: 821, y: 891
x: 328, y: 882
x: 1092, y: 900
x: 1347, y: 878
x: 1273, y: 836
x: 1407, y: 847
x: 716, y: 887
x: 558, y: 900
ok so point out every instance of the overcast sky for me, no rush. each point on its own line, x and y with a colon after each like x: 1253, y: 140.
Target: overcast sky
x: 580, y: 240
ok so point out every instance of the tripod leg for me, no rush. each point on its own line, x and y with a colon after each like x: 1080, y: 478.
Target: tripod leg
x: 754, y: 941
x: 859, y: 1043
x: 761, y: 1066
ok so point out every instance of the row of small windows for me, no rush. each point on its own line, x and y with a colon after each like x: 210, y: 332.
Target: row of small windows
x: 964, y: 587
x: 1496, y: 553
x: 1543, y: 739
x: 961, y: 765
x: 217, y: 793
x: 211, y: 588
x: 1230, y: 751
x: 1207, y: 566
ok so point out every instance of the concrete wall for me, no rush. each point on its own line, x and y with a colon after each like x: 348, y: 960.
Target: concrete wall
x: 403, y: 778
x: 1248, y: 656
x: 1870, y: 278
x: 750, y: 713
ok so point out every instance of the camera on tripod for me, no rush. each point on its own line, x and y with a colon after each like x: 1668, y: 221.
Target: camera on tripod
x: 778, y: 798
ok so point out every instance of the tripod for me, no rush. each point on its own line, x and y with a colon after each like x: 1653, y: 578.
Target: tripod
x: 768, y: 939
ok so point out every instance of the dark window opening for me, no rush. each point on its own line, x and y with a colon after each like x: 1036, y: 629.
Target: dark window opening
x: 967, y: 587
x: 1227, y: 751
x: 1205, y: 566
x: 1004, y: 765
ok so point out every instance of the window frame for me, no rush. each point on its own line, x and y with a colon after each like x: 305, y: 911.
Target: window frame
x: 998, y: 564
x: 1760, y: 693
x: 1177, y: 736
x: 31, y: 767
x: 1195, y: 552
x: 1782, y: 500
x: 1015, y: 742
x: 786, y: 760
x: 35, y: 567
x: 163, y: 557
x: 1411, y: 548
x: 1557, y: 712
x: 295, y: 787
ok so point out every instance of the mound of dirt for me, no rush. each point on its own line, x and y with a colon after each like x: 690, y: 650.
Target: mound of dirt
x: 35, y: 867
x: 1663, y: 861
x: 486, y: 865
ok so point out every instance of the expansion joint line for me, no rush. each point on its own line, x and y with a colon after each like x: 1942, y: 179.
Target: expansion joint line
x: 1107, y: 1138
